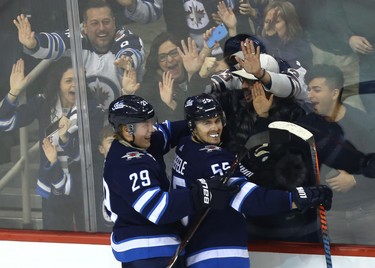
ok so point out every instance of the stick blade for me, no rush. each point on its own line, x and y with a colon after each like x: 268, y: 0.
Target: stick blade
x: 292, y: 128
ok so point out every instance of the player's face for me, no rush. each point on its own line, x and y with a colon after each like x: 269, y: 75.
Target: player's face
x: 209, y: 130
x: 105, y: 145
x: 322, y: 97
x: 170, y: 60
x: 143, y: 132
x: 100, y: 28
x: 68, y: 89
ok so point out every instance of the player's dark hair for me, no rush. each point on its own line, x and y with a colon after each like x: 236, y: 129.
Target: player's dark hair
x: 95, y: 4
x: 333, y: 75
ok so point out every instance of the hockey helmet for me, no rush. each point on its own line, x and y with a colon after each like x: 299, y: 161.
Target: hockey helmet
x: 201, y: 107
x: 129, y: 109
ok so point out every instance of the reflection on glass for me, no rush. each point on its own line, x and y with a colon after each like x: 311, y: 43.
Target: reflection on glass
x: 126, y: 52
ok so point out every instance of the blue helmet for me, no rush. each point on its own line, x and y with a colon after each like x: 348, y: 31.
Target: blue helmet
x: 201, y: 107
x: 129, y: 109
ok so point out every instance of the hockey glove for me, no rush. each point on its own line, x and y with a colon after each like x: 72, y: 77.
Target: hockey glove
x: 212, y: 193
x: 312, y: 196
x: 221, y: 193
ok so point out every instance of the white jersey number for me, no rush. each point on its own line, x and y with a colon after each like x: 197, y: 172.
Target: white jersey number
x: 220, y: 168
x: 140, y: 180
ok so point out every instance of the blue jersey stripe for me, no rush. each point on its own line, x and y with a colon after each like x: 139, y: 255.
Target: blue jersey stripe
x: 144, y: 247
x: 239, y: 198
x: 159, y: 209
x: 145, y: 198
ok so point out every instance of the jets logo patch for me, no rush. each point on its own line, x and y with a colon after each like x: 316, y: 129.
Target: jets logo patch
x: 131, y: 155
x: 210, y: 148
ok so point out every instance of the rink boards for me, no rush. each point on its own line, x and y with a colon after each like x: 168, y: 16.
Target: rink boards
x: 39, y: 249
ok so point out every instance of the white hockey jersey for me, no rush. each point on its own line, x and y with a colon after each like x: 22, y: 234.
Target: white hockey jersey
x: 102, y: 76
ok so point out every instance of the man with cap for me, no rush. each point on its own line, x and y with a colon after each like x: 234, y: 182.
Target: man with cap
x: 244, y: 102
x: 282, y: 81
x: 252, y: 114
x: 287, y: 82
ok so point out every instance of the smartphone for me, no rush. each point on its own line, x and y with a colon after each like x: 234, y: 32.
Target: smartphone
x: 219, y: 33
x: 332, y: 173
x: 52, y: 128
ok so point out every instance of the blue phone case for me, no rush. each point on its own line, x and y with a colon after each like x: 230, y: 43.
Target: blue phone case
x: 219, y: 33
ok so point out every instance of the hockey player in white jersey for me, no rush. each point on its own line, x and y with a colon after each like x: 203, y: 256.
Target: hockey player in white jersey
x: 221, y: 239
x: 145, y: 214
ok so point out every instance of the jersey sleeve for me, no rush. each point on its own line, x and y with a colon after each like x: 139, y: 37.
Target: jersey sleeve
x: 162, y: 207
x: 130, y: 45
x: 289, y: 84
x: 50, y: 45
x: 51, y: 179
x: 224, y: 81
x: 254, y: 200
x: 167, y: 136
x: 146, y: 11
x: 13, y: 116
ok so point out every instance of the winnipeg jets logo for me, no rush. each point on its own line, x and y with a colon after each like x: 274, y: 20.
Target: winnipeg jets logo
x: 210, y: 148
x: 104, y: 90
x: 131, y: 155
x: 196, y: 15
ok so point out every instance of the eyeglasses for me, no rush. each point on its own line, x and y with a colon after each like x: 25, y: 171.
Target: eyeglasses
x: 164, y: 56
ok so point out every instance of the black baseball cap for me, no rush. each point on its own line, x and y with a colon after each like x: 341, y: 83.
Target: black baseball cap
x: 233, y: 44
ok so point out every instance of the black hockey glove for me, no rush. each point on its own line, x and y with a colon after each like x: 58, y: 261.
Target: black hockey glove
x: 221, y: 193
x: 312, y: 196
x: 212, y: 193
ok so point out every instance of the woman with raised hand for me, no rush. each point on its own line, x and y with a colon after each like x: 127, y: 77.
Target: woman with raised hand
x: 59, y: 177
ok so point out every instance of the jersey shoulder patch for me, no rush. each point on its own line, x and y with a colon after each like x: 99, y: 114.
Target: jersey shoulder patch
x: 210, y: 148
x: 121, y: 34
x: 133, y: 155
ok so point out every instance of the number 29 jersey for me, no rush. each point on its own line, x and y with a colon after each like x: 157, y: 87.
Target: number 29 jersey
x: 144, y: 213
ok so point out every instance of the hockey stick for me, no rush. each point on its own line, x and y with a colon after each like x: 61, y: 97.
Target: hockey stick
x: 307, y: 136
x: 250, y: 143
